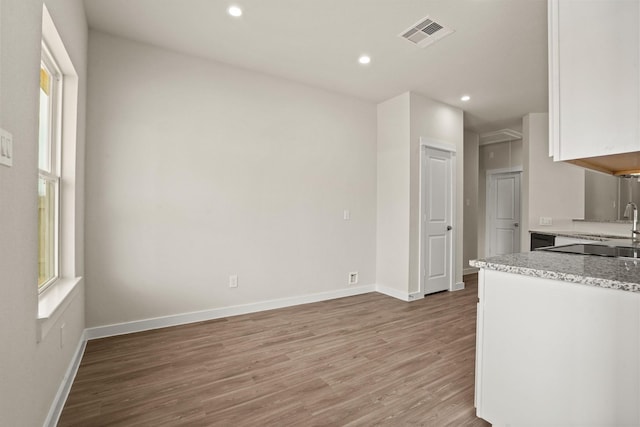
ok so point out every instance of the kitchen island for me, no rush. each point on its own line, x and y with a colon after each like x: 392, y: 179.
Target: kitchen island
x: 558, y: 340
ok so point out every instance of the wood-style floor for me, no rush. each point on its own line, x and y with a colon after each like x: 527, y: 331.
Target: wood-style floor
x: 358, y: 361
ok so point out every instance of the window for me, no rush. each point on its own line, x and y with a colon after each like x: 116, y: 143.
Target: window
x: 49, y: 154
x: 60, y: 204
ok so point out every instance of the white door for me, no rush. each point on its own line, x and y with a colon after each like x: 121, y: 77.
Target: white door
x: 503, y: 213
x: 436, y: 220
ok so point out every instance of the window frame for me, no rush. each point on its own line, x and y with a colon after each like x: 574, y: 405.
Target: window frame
x: 57, y: 297
x: 54, y: 142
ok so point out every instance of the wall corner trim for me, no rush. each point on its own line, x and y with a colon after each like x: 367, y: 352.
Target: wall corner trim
x: 404, y: 296
x: 415, y: 296
x: 65, y: 386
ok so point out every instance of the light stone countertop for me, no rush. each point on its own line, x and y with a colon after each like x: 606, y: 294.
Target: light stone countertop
x: 605, y: 221
x: 603, y: 272
x: 598, y: 237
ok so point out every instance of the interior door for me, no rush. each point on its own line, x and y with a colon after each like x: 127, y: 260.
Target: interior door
x: 436, y: 220
x: 504, y: 213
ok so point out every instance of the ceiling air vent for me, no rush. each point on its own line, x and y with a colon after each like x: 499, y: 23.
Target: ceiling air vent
x: 426, y: 32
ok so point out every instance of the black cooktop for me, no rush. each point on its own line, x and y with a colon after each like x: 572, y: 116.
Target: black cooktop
x: 595, y: 249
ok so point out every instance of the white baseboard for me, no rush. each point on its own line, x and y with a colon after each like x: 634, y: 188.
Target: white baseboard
x: 458, y: 286
x: 65, y: 386
x: 217, y: 313
x: 415, y: 296
x: 404, y: 296
x: 470, y: 270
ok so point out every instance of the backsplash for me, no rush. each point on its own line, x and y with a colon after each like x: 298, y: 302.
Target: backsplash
x: 621, y: 228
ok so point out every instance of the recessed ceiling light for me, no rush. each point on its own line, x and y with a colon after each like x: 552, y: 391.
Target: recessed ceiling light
x: 465, y: 98
x: 364, y: 59
x: 234, y: 11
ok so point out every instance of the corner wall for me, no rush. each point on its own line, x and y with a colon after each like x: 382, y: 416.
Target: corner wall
x: 402, y: 121
x: 32, y: 372
x: 393, y: 193
x: 555, y: 189
x: 471, y: 178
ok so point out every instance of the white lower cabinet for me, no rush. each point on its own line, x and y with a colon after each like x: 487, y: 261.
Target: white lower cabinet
x: 552, y: 353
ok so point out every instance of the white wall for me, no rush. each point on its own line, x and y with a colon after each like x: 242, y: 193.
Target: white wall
x: 471, y: 177
x: 31, y: 372
x: 555, y: 189
x: 197, y: 170
x: 392, y: 246
x: 401, y: 122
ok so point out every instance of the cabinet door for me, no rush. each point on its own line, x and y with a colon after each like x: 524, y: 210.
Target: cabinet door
x: 553, y: 353
x: 594, y: 77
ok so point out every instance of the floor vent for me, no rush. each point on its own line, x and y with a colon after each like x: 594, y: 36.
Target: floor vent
x: 426, y: 32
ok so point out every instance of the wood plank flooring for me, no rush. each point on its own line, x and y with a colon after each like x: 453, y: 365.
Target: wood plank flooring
x: 358, y: 361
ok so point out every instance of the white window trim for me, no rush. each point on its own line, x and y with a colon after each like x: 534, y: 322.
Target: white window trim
x: 53, y: 301
x: 57, y: 91
x: 54, y: 172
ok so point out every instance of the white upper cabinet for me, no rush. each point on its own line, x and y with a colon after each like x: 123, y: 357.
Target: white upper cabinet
x: 594, y: 78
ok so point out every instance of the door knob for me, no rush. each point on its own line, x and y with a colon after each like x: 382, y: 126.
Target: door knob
x: 449, y: 228
x: 516, y: 225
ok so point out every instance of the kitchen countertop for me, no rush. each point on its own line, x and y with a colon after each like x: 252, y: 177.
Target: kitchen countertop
x: 603, y: 272
x: 606, y: 221
x: 598, y: 237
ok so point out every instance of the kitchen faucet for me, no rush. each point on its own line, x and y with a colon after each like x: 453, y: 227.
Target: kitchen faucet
x: 634, y: 227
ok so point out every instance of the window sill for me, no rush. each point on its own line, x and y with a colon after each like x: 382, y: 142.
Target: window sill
x: 53, y: 302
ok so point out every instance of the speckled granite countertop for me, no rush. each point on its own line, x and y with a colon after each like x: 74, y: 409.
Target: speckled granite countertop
x: 606, y: 221
x: 603, y: 272
x: 579, y: 235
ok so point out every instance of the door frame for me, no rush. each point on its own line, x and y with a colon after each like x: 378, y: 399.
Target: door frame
x: 487, y: 220
x: 451, y: 148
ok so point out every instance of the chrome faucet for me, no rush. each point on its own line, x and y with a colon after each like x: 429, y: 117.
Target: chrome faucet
x: 634, y: 227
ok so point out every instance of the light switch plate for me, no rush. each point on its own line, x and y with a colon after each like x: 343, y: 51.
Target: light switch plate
x: 546, y: 220
x: 6, y: 148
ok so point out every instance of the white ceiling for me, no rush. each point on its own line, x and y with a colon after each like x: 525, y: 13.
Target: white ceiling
x: 498, y: 53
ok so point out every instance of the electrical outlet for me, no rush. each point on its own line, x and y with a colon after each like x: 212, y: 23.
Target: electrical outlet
x: 353, y: 278
x: 233, y: 281
x: 346, y: 215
